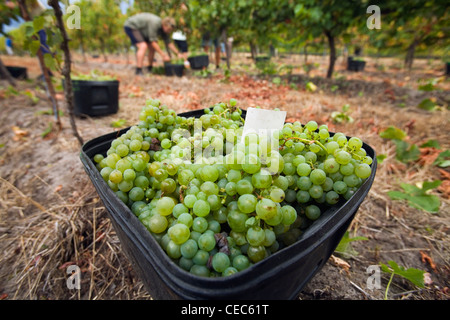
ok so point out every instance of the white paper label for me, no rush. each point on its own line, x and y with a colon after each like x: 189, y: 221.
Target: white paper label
x: 262, y: 121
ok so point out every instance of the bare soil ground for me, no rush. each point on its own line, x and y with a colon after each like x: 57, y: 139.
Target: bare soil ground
x: 51, y: 215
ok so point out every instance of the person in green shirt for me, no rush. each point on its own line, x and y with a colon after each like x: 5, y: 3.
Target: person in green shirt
x: 144, y: 30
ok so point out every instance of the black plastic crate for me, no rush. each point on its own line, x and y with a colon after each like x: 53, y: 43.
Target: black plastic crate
x: 95, y: 98
x: 17, y: 72
x: 174, y: 69
x: 355, y: 65
x: 262, y: 58
x: 278, y: 277
x: 199, y: 62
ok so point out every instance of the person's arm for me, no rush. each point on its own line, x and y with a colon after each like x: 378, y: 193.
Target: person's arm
x: 174, y: 49
x: 158, y: 49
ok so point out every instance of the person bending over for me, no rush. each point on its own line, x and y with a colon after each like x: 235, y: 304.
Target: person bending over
x: 144, y: 30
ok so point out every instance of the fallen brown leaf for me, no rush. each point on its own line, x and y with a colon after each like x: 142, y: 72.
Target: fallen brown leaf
x: 426, y: 258
x: 18, y: 133
x: 340, y: 263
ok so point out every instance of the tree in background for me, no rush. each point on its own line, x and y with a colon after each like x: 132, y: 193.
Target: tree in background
x: 419, y: 23
x: 331, y: 18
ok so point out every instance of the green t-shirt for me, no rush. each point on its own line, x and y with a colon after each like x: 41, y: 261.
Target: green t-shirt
x: 148, y: 24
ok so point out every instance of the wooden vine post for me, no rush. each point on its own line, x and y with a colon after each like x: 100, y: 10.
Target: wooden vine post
x: 66, y: 70
x: 48, y: 81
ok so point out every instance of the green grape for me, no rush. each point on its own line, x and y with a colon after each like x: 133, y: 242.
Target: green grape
x: 343, y: 157
x: 206, y: 242
x: 270, y: 238
x: 277, y: 194
x: 178, y: 209
x: 247, y: 203
x: 347, y: 169
x: 173, y: 250
x: 328, y: 184
x: 98, y: 158
x: 236, y: 221
x: 186, y: 219
x: 331, y: 147
x: 125, y: 185
x: 229, y: 271
x: 261, y: 180
x: 289, y: 215
x: 142, y: 182
x: 312, y: 212
x: 298, y: 159
x: 367, y: 160
x: 158, y: 223
x: 304, y: 183
x: 122, y: 196
x: 189, y: 248
x: 281, y: 182
x: 201, y: 208
x: 209, y: 187
x: 209, y: 173
x: 166, y: 143
x: 241, y: 262
x: 317, y: 176
x: 168, y: 185
x: 311, y: 126
x: 362, y: 170
x: 230, y: 188
x: 255, y: 236
x: 331, y: 197
x: 234, y: 175
x: 289, y: 169
x: 129, y: 175
x: 252, y: 164
x: 323, y: 133
x: 135, y: 145
x: 115, y: 176
x: 190, y: 200
x: 185, y: 176
x: 185, y: 263
x: 199, y: 224
x: 179, y: 233
x: 214, y: 202
x: 266, y: 209
x: 340, y: 187
x: 303, y: 196
x: 316, y: 191
x: 214, y: 226
x: 314, y: 148
x: 201, y: 257
x: 244, y: 187
x: 352, y: 180
x: 331, y: 165
x: 136, y: 194
x: 355, y: 143
x: 139, y: 164
x: 165, y: 206
x: 303, y: 169
x: 256, y: 254
x: 275, y: 220
x: 220, y: 262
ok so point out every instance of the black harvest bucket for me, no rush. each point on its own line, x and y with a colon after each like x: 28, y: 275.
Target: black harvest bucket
x: 95, y: 97
x: 17, y: 72
x: 281, y: 276
x: 199, y: 62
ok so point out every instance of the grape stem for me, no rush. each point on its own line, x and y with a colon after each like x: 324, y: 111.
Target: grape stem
x: 309, y: 142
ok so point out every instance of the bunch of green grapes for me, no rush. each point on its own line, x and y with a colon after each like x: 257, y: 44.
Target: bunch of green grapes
x: 218, y: 214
